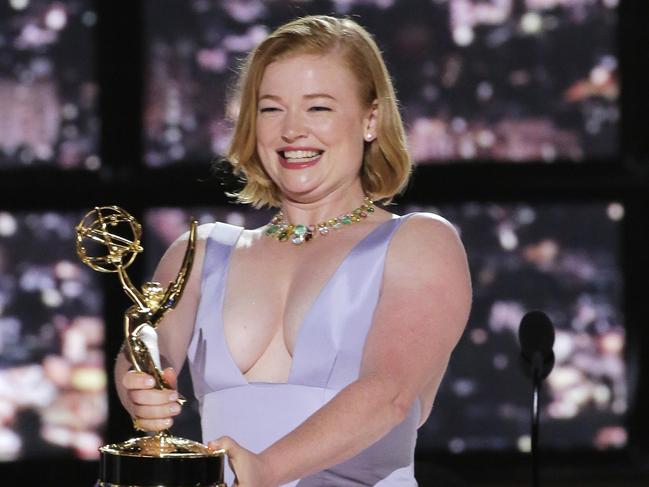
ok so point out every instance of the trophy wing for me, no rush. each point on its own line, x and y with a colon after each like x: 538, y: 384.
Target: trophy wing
x: 177, y: 287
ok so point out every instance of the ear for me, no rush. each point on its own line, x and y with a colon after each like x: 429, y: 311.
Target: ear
x: 370, y: 122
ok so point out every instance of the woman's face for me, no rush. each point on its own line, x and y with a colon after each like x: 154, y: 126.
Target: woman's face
x: 311, y: 126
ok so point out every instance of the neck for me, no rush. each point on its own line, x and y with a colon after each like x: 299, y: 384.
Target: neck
x: 342, y: 200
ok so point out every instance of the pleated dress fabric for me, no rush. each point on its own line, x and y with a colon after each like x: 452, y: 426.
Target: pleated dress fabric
x: 327, y: 357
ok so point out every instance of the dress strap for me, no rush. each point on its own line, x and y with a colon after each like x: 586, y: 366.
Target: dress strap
x: 225, y: 234
x: 220, y: 241
x: 207, y: 344
x: 330, y: 343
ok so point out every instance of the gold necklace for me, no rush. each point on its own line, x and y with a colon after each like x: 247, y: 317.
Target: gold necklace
x: 280, y: 229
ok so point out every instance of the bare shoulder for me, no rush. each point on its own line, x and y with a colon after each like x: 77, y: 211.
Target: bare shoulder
x: 423, y: 234
x: 426, y: 257
x: 172, y: 258
x: 176, y: 328
x: 177, y: 248
x: 202, y: 234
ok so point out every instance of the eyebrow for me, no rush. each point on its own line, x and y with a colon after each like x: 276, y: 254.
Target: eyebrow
x: 308, y: 97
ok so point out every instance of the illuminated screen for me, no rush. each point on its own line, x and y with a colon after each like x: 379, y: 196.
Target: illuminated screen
x: 52, y: 374
x: 48, y: 90
x: 477, y: 79
x: 562, y: 259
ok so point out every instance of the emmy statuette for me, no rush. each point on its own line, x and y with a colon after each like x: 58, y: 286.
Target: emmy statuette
x: 108, y: 240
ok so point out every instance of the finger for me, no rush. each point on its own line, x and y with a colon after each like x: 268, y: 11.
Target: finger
x: 152, y: 397
x: 154, y: 424
x: 225, y: 443
x: 170, y: 377
x: 137, y: 380
x: 232, y: 450
x: 228, y: 445
x: 156, y: 412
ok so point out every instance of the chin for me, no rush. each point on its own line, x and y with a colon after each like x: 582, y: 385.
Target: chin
x: 299, y: 187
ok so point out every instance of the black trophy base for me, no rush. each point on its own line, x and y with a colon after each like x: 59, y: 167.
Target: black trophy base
x: 135, y: 463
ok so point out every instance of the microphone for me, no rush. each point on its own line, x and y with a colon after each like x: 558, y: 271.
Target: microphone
x: 536, y: 337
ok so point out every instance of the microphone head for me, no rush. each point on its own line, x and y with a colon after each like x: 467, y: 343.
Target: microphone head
x: 536, y: 334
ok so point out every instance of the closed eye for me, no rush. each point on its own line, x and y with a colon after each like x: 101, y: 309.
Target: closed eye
x: 268, y: 109
x: 320, y: 109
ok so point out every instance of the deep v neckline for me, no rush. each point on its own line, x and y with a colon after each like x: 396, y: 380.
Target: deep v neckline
x: 305, y: 317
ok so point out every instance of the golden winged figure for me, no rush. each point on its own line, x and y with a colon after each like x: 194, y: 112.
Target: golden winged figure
x: 103, y: 245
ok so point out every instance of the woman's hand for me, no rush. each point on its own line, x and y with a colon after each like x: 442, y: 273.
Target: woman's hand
x: 250, y: 469
x: 153, y: 409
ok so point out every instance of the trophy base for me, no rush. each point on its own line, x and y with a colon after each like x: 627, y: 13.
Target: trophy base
x: 160, y: 460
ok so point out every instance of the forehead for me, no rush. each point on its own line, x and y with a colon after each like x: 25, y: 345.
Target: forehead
x: 302, y: 74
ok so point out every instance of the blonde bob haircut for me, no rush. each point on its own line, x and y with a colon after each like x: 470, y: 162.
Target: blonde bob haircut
x: 386, y: 163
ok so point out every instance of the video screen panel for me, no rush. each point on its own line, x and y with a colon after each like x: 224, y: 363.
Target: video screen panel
x: 48, y: 85
x: 486, y: 80
x: 563, y: 259
x: 53, y: 401
x: 522, y: 257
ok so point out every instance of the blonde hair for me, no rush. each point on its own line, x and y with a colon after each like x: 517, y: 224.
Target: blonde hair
x: 386, y: 163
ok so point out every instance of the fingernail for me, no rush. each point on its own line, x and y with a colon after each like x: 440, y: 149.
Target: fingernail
x: 166, y: 422
x: 174, y: 408
x: 149, y: 382
x: 173, y: 396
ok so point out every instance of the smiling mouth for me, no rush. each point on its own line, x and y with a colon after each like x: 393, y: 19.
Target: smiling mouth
x: 299, y: 159
x: 300, y: 155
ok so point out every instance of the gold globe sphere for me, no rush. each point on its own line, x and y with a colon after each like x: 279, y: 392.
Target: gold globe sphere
x: 108, y: 239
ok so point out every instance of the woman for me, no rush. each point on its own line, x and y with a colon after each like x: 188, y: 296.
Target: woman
x: 316, y: 344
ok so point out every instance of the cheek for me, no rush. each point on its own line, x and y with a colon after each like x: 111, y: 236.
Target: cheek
x: 265, y: 156
x: 337, y: 131
x: 264, y: 150
x: 351, y: 135
x: 263, y: 133
x: 265, y: 141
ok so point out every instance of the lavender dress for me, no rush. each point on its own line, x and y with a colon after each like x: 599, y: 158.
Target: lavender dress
x: 327, y: 357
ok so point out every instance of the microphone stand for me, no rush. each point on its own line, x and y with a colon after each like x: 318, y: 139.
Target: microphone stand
x: 536, y: 337
x: 537, y: 370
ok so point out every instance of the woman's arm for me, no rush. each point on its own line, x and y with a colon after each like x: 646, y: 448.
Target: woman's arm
x: 154, y: 408
x: 422, y: 311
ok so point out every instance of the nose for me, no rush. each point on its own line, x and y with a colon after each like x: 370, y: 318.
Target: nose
x: 293, y: 127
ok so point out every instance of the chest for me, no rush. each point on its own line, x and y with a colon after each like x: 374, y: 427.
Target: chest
x: 270, y: 288
x: 269, y: 291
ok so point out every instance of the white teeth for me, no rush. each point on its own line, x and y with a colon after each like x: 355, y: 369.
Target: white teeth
x: 300, y: 154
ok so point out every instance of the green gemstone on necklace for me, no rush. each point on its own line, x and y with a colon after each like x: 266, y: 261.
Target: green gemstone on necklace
x: 346, y: 220
x: 283, y: 236
x: 272, y: 229
x: 300, y: 229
